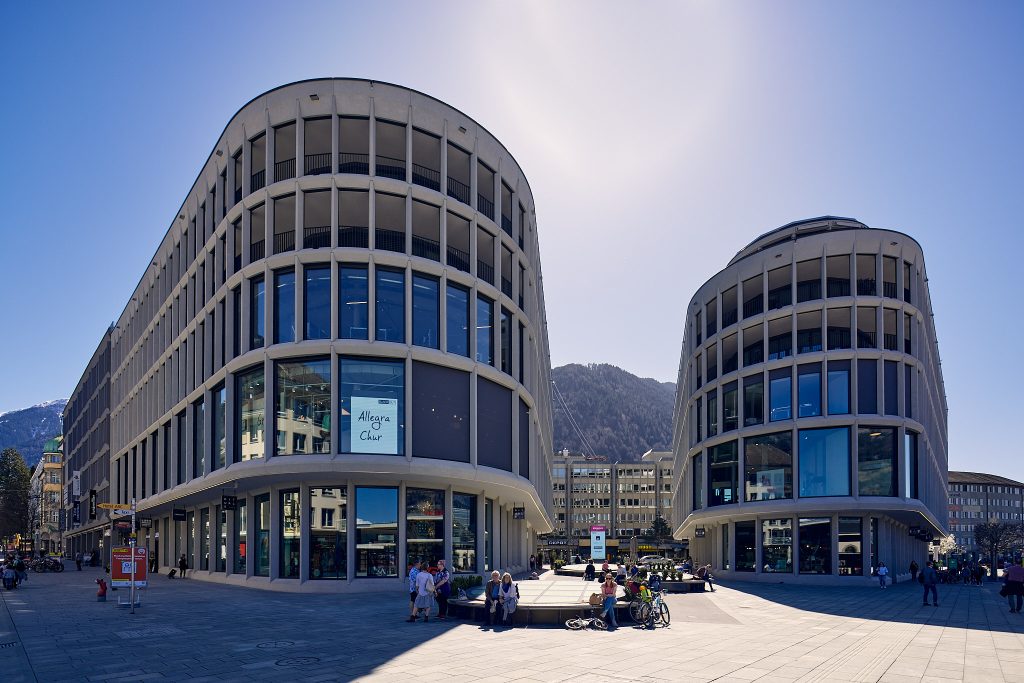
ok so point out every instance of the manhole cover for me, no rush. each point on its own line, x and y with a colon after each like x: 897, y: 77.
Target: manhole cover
x: 4, y: 645
x: 275, y: 644
x: 297, y: 661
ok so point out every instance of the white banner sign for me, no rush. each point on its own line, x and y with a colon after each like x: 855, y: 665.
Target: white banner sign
x: 76, y: 483
x: 597, y: 536
x: 375, y: 425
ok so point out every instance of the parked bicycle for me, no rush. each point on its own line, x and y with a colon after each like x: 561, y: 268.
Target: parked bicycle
x: 640, y: 611
x: 46, y: 564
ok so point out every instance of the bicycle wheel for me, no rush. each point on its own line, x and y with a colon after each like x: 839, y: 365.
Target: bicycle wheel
x: 663, y: 614
x: 598, y: 624
x: 636, y: 609
x: 574, y: 624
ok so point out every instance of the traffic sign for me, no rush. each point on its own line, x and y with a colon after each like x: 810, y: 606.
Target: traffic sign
x: 120, y: 512
x: 115, y: 506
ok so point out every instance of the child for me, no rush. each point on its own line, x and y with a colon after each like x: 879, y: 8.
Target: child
x: 648, y: 599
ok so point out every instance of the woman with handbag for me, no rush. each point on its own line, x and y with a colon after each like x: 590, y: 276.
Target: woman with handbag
x: 442, y: 588
x: 610, y: 591
x: 424, y: 593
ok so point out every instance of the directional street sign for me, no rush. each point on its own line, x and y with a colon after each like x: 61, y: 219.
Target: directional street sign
x: 121, y: 513
x: 115, y: 506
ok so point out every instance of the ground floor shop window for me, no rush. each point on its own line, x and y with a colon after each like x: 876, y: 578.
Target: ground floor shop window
x: 463, y: 533
x: 222, y: 539
x: 725, y: 547
x: 262, y: 530
x: 424, y: 525
x: 376, y: 531
x: 288, y: 566
x: 190, y: 535
x: 851, y: 558
x: 241, y: 536
x: 488, y: 534
x: 328, y: 533
x: 777, y: 545
x: 204, y: 539
x: 746, y: 558
x: 815, y: 545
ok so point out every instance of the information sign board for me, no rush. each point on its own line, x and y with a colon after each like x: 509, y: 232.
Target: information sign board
x: 121, y: 567
x: 597, y: 546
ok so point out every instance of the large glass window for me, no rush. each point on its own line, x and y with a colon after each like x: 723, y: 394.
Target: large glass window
x: 353, y: 306
x: 190, y: 536
x: 463, y: 533
x: 257, y: 313
x: 328, y: 533
x: 262, y: 530
x: 484, y: 330
x: 390, y: 307
x: 815, y: 545
x: 425, y: 310
x: 726, y: 555
x: 424, y: 525
x: 222, y: 539
x: 768, y: 466
x: 288, y: 560
x: 712, y: 413
x: 891, y: 371
x: 220, y: 446
x: 284, y: 306
x: 303, y: 410
x: 838, y: 387
x: 372, y: 396
x: 867, y: 386
x: 808, y: 280
x: 316, y: 310
x: 488, y: 533
x: 204, y: 539
x: 506, y: 341
x: 723, y: 473
x: 910, y: 464
x: 780, y: 388
x: 837, y: 275
x: 199, y: 438
x: 809, y: 389
x: 753, y: 400
x: 250, y: 413
x: 866, y: 327
x: 851, y: 558
x: 181, y: 442
x: 838, y: 330
x: 457, y: 323
x: 376, y: 532
x: 697, y: 465
x: 777, y: 545
x: 824, y: 462
x: 353, y: 218
x: 808, y: 331
x: 866, y: 275
x: 780, y: 338
x: 746, y: 546
x: 730, y: 407
x: 877, y: 467
x: 241, y: 537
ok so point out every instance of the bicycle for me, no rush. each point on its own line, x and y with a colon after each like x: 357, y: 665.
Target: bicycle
x: 583, y: 623
x: 661, y: 612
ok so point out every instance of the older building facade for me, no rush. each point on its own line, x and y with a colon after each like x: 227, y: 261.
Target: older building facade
x: 810, y: 428
x: 336, y: 362
x: 46, y: 485
x: 976, y: 498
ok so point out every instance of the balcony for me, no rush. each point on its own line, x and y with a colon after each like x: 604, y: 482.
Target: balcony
x: 506, y: 224
x: 427, y: 177
x: 354, y: 163
x: 388, y: 167
x: 890, y: 342
x: 353, y: 236
x: 458, y: 259
x: 779, y: 297
x: 257, y: 250
x: 753, y: 354
x: 389, y: 240
x: 808, y: 290
x: 889, y: 290
x: 866, y: 287
x: 837, y: 286
x: 257, y: 181
x: 317, y: 237
x: 425, y: 247
x: 485, y: 206
x: 506, y: 287
x: 780, y: 346
x: 458, y: 189
x: 808, y: 341
x: 485, y: 271
x: 753, y: 306
x: 284, y: 241
x: 838, y: 338
x: 283, y: 170
x: 729, y: 318
x: 865, y: 340
x: 318, y: 164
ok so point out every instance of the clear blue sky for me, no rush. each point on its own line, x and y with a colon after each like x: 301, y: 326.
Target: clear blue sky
x: 659, y: 139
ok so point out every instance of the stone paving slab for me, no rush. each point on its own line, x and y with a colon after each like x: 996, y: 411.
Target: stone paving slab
x: 52, y: 629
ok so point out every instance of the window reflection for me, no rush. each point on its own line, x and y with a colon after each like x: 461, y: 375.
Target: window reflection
x: 317, y: 303
x: 262, y: 535
x: 353, y: 306
x: 424, y: 525
x: 241, y: 537
x: 768, y: 466
x: 328, y: 532
x: 815, y: 545
x: 288, y: 566
x: 746, y: 552
x: 303, y: 409
x: 463, y: 533
x: 723, y: 474
x: 372, y: 395
x: 851, y: 559
x: 777, y: 545
x: 284, y: 307
x: 824, y: 462
x: 390, y: 308
x: 876, y: 461
x: 484, y: 330
x: 250, y: 412
x: 425, y: 310
x: 457, y: 324
x: 376, y: 532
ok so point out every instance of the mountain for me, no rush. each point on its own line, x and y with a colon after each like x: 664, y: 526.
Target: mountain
x: 621, y: 415
x: 29, y: 428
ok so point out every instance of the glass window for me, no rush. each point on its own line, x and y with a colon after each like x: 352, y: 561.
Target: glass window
x: 838, y: 387
x: 808, y: 332
x: 251, y: 416
x: 712, y: 322
x: 204, y: 539
x: 353, y: 218
x: 484, y: 330
x: 424, y: 525
x: 837, y: 271
x: 463, y: 533
x: 353, y: 145
x: 867, y: 386
x: 303, y: 410
x: 198, y: 439
x: 328, y: 533
x: 824, y: 462
x: 729, y: 311
x: 838, y: 331
x: 753, y: 400
x: 317, y: 146
x: 354, y: 309
x: 808, y: 280
x: 712, y: 354
x: 730, y: 354
x: 241, y: 536
x: 426, y: 159
x: 815, y: 545
x: 506, y: 341
x: 891, y: 369
x: 725, y: 547
x: 288, y: 560
x: 753, y: 346
x: 910, y: 465
x: 372, y: 395
x: 389, y: 218
x: 390, y: 305
x: 906, y: 282
x: 809, y: 389
x: 768, y: 466
x: 730, y: 407
x: 780, y: 389
x: 753, y: 296
x: 283, y: 216
x: 851, y: 558
x: 723, y: 473
x: 777, y: 545
x: 780, y: 338
x: 488, y: 533
x: 222, y: 539
x: 190, y: 535
x: 317, y: 303
x: 376, y: 532
x: 220, y: 404
x: 425, y: 310
x: 284, y: 306
x: 262, y: 509
x: 257, y: 313
x: 713, y: 413
x: 866, y: 277
x: 457, y: 324
x: 390, y: 150
x: 697, y: 465
x: 182, y: 440
x: 746, y: 549
x: 780, y: 292
x: 876, y: 461
x: 866, y: 327
x: 874, y: 543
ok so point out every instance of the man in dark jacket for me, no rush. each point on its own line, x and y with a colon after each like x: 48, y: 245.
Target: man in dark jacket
x: 929, y: 577
x: 914, y: 569
x: 491, y: 592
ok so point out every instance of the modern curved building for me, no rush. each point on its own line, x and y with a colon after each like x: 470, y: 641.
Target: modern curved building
x: 336, y: 361
x: 810, y: 430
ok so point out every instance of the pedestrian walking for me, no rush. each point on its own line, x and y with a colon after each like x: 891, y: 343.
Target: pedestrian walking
x: 1014, y: 588
x: 78, y: 560
x: 610, y: 591
x: 182, y: 565
x: 491, y: 593
x: 414, y: 570
x: 882, y: 572
x: 443, y: 588
x: 508, y: 597
x: 533, y: 563
x: 914, y: 569
x: 930, y: 577
x: 424, y: 592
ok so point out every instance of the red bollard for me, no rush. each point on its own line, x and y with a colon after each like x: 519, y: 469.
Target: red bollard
x: 101, y: 594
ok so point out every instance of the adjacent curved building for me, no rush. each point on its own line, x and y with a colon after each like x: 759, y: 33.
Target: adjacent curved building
x: 810, y: 431
x: 337, y: 360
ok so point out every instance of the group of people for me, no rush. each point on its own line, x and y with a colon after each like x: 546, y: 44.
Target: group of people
x: 13, y: 570
x: 427, y: 585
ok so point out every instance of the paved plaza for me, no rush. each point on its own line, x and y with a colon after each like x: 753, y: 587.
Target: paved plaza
x: 52, y: 629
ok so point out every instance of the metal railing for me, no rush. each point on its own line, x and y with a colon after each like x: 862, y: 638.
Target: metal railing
x: 506, y: 287
x: 389, y: 167
x: 424, y: 247
x: 257, y: 250
x: 389, y: 240
x: 808, y: 290
x: 485, y: 206
x: 890, y: 342
x: 284, y: 241
x: 808, y: 340
x: 485, y: 271
x: 283, y: 170
x: 779, y: 297
x: 889, y: 289
x: 838, y: 286
x: 780, y: 346
x: 354, y: 163
x: 753, y: 306
x: 866, y: 286
x: 730, y: 363
x: 353, y: 236
x: 316, y: 237
x: 457, y: 258
x: 427, y: 177
x: 458, y: 189
x: 865, y: 340
x: 317, y: 164
x: 753, y: 354
x: 257, y: 181
x: 506, y: 224
x: 838, y: 337
x: 729, y: 318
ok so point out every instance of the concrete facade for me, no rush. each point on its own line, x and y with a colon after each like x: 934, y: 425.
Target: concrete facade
x: 976, y: 498
x: 810, y: 430
x: 46, y: 485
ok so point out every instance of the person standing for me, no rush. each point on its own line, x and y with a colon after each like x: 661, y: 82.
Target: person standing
x: 882, y: 572
x: 182, y: 565
x: 914, y: 569
x: 610, y: 591
x: 414, y: 571
x: 1015, y: 586
x: 533, y: 563
x: 78, y: 560
x: 424, y: 592
x: 492, y: 592
x: 930, y: 577
x: 442, y: 588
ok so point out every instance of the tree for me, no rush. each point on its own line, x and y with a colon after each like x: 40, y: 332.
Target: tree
x: 996, y: 538
x: 949, y: 546
x: 14, y: 494
x: 659, y: 529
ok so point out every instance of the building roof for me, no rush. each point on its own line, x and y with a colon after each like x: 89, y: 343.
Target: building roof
x: 980, y: 478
